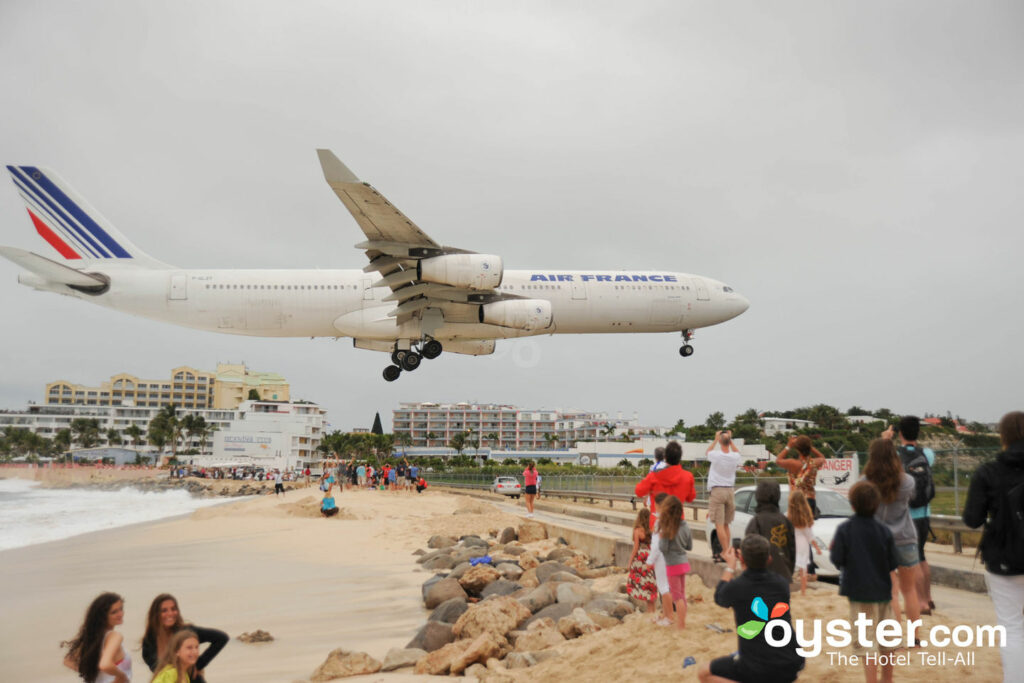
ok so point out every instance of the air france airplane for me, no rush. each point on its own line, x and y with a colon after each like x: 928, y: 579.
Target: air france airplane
x: 413, y: 299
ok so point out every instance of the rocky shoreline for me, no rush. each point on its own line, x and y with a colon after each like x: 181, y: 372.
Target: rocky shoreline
x: 498, y: 604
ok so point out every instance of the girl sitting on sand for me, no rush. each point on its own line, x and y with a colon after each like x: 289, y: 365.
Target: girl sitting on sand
x: 799, y: 513
x: 180, y: 658
x: 97, y: 652
x: 162, y: 623
x: 674, y: 540
x: 641, y: 575
x: 328, y: 508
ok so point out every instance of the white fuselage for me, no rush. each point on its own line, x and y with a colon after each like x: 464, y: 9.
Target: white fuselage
x: 336, y: 303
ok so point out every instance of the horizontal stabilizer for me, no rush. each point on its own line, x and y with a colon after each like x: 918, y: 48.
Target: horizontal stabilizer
x: 50, y: 270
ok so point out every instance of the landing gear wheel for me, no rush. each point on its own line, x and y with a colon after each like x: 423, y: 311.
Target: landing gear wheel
x: 397, y: 355
x: 392, y: 372
x: 686, y: 351
x: 411, y: 361
x: 432, y: 349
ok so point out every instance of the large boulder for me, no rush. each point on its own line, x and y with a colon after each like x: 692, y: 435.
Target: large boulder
x: 445, y: 589
x: 560, y: 554
x: 577, y: 624
x: 432, y: 636
x: 509, y: 570
x: 398, y: 658
x: 460, y: 569
x: 540, y: 635
x: 440, y: 562
x: 449, y: 611
x: 466, y: 554
x: 553, y: 612
x: 547, y: 569
x: 477, y: 578
x: 507, y: 535
x: 431, y: 555
x: 514, y: 549
x: 540, y: 597
x: 474, y: 542
x: 529, y: 579
x: 439, y: 662
x: 429, y: 583
x: 532, y: 531
x: 342, y: 664
x: 485, y: 646
x: 573, y: 593
x: 441, y: 542
x: 528, y: 561
x: 497, y: 616
x: 564, y: 577
x: 500, y: 587
x: 613, y: 608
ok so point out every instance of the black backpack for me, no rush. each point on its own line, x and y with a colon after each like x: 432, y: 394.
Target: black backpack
x: 1007, y: 526
x: 915, y: 463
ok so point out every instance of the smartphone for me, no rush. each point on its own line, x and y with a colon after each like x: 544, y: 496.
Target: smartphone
x: 736, y: 543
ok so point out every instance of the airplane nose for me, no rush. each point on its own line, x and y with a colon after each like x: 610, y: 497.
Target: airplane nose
x: 742, y: 304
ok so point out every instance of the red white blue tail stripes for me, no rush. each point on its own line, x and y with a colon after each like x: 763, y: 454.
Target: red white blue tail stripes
x: 61, y: 220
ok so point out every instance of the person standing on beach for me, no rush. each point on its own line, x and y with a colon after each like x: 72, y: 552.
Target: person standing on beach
x: 724, y: 458
x: 802, y: 469
x: 163, y: 622
x: 530, y: 486
x: 917, y: 462
x: 361, y: 475
x: 278, y: 482
x: 671, y: 479
x: 97, y: 653
x: 996, y: 499
x: 182, y: 654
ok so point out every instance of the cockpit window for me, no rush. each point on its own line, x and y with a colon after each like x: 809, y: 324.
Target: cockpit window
x: 726, y: 288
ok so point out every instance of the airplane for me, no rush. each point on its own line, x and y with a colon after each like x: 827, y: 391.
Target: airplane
x: 414, y: 298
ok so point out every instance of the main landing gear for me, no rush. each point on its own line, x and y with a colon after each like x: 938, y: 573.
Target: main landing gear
x: 409, y: 360
x: 686, y: 350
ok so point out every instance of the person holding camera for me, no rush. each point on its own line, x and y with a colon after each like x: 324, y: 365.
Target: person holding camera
x: 724, y: 458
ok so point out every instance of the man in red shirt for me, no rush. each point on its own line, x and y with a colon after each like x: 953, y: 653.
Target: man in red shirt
x: 673, y: 480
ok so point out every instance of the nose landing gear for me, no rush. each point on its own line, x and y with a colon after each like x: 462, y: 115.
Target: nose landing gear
x: 686, y: 350
x: 410, y: 359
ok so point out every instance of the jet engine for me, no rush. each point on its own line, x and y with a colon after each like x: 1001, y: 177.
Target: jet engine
x: 468, y: 271
x: 519, y: 314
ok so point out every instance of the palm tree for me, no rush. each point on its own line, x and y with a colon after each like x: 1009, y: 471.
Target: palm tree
x: 431, y: 436
x: 86, y: 431
x: 114, y: 437
x: 552, y: 440
x: 205, y: 433
x: 62, y: 440
x: 135, y: 433
x: 493, y: 439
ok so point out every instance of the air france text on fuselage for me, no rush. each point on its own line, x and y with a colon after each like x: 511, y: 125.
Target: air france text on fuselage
x: 624, y: 277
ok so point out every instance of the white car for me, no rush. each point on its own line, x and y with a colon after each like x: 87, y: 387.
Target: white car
x: 833, y: 508
x: 508, y: 486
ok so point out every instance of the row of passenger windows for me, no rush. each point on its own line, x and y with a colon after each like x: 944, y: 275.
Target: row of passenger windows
x: 280, y: 287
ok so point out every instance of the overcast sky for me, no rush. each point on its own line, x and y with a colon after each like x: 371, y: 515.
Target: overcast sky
x: 853, y: 168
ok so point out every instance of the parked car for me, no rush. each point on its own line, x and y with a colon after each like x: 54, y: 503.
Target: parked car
x: 833, y: 507
x: 508, y: 486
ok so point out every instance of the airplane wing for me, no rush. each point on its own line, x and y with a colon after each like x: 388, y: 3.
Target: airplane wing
x: 395, y: 246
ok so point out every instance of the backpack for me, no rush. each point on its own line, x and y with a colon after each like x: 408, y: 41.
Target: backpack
x: 1007, y: 528
x: 915, y: 463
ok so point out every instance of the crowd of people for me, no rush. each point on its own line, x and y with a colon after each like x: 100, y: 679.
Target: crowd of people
x: 171, y: 647
x: 880, y: 550
x: 352, y: 475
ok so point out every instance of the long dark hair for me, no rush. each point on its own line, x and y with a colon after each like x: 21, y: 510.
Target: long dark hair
x: 153, y: 626
x: 86, y: 647
x: 884, y: 468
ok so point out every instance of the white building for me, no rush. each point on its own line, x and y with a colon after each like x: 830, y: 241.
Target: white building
x: 782, y: 425
x: 863, y: 419
x: 270, y: 434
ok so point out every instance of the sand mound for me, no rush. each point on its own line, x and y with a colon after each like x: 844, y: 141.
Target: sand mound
x: 309, y: 507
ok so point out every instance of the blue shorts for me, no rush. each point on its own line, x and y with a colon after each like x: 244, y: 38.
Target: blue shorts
x: 907, y: 555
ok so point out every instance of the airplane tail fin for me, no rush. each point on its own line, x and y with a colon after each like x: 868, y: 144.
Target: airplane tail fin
x: 79, y: 233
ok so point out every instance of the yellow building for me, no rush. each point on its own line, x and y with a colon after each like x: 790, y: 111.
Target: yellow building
x: 187, y: 388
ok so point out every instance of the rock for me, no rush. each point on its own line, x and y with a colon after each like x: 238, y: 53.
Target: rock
x: 546, y: 569
x: 431, y: 555
x: 603, y: 620
x: 445, y: 589
x: 529, y: 579
x: 431, y: 637
x: 467, y: 554
x: 508, y: 534
x: 560, y: 554
x: 257, y: 636
x: 460, y: 569
x: 497, y: 616
x: 528, y: 561
x: 483, y: 647
x: 611, y: 607
x: 397, y: 658
x: 342, y: 664
x: 440, y: 562
x: 419, y: 552
x: 573, y: 594
x: 562, y: 541
x: 578, y: 563
x: 577, y: 624
x: 553, y: 612
x: 522, y: 660
x: 441, y: 542
x: 477, y: 671
x: 588, y: 573
x: 564, y: 577
x: 474, y: 542
x: 449, y: 611
x: 532, y: 531
x: 429, y: 583
x: 500, y: 587
x: 509, y: 570
x: 540, y: 635
x: 477, y: 578
x: 514, y: 549
x: 439, y: 662
x: 540, y: 597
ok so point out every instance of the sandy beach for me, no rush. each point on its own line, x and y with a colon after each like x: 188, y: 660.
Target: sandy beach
x: 272, y: 563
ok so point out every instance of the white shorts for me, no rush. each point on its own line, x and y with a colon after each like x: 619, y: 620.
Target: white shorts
x: 660, y: 574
